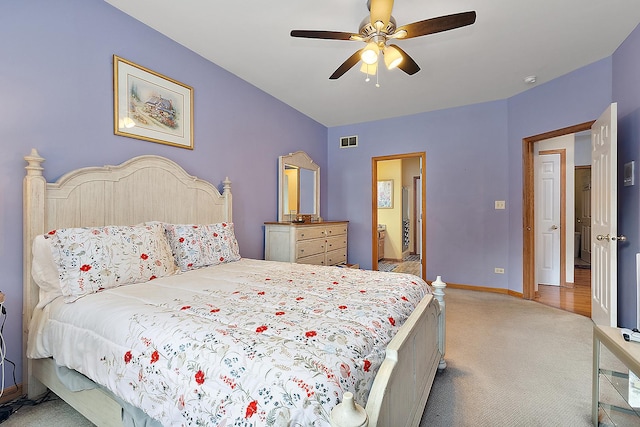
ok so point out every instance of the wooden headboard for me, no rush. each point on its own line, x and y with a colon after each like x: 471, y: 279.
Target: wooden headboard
x: 145, y: 188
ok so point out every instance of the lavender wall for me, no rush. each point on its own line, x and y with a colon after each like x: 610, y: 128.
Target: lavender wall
x: 474, y: 157
x: 626, y: 92
x: 57, y: 96
x: 466, y: 170
x: 569, y: 100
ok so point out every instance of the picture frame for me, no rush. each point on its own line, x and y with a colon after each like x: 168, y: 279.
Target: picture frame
x: 385, y: 194
x: 151, y: 106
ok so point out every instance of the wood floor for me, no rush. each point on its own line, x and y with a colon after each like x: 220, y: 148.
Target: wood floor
x: 576, y: 297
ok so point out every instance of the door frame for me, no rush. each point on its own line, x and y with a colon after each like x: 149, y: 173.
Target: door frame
x: 417, y: 213
x: 528, y: 205
x: 374, y: 206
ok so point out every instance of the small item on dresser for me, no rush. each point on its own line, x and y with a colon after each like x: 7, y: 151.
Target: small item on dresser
x: 630, y: 334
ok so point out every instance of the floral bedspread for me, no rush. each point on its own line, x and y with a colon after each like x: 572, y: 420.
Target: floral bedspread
x: 247, y: 343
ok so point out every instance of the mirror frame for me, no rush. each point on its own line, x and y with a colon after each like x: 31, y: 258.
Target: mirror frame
x: 302, y: 160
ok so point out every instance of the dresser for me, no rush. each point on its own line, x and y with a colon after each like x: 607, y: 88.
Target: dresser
x: 321, y: 243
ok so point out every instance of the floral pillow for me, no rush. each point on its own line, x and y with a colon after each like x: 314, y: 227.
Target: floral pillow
x: 93, y: 259
x: 196, y: 246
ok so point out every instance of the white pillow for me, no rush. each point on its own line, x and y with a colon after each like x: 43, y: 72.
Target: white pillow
x: 92, y: 259
x: 196, y: 246
x: 44, y: 271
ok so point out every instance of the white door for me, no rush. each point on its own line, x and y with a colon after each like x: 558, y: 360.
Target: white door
x: 547, y: 202
x: 604, y: 250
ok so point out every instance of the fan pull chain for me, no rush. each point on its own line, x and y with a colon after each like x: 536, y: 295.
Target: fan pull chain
x: 377, y: 84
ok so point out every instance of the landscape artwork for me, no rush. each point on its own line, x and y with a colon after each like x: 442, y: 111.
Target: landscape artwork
x: 150, y: 106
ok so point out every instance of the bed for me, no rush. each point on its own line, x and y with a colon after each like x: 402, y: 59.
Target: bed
x: 223, y: 383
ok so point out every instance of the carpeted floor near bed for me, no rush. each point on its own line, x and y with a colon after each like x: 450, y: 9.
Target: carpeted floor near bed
x: 510, y: 362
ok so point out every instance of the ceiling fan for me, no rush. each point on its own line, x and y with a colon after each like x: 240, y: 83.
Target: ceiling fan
x: 380, y: 27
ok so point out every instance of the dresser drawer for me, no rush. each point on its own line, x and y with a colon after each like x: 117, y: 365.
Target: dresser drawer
x: 310, y: 247
x: 337, y: 242
x: 335, y: 230
x: 304, y: 233
x: 313, y: 259
x: 339, y: 256
x: 321, y: 243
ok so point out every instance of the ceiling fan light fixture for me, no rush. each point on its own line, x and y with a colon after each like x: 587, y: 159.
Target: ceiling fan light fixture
x: 370, y: 53
x: 392, y: 57
x: 369, y: 69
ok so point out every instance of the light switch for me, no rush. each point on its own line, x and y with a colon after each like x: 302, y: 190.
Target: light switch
x: 501, y: 204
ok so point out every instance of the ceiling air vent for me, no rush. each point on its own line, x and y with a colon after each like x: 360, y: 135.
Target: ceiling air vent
x: 349, y: 141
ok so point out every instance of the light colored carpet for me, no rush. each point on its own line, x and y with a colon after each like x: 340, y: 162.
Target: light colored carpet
x: 510, y: 362
x: 54, y: 413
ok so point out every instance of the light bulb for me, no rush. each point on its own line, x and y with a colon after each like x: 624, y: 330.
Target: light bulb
x: 370, y: 53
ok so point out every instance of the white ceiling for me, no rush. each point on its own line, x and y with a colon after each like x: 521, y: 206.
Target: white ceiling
x: 483, y: 62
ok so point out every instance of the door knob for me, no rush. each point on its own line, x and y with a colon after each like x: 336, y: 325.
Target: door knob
x: 554, y: 227
x: 620, y: 238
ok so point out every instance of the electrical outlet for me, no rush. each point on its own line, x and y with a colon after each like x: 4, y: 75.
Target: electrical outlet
x: 498, y: 270
x: 500, y: 204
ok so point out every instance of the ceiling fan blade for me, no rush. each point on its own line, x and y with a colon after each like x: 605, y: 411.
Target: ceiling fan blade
x: 319, y: 34
x: 346, y: 65
x: 408, y: 65
x: 380, y: 11
x: 436, y: 25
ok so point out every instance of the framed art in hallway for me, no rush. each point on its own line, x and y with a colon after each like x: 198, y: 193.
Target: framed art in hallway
x: 385, y: 194
x: 150, y: 106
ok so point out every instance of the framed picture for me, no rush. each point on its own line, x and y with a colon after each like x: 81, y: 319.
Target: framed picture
x: 385, y: 194
x: 150, y: 106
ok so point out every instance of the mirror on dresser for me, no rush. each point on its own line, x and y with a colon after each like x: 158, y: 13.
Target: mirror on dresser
x: 298, y: 187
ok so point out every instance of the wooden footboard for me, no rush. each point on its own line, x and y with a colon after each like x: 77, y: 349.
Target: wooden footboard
x: 401, y: 387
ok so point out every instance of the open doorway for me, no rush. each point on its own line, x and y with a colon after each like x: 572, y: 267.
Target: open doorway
x: 572, y: 285
x: 398, y: 204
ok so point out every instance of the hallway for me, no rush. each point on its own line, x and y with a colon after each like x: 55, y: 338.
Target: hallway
x: 576, y: 297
